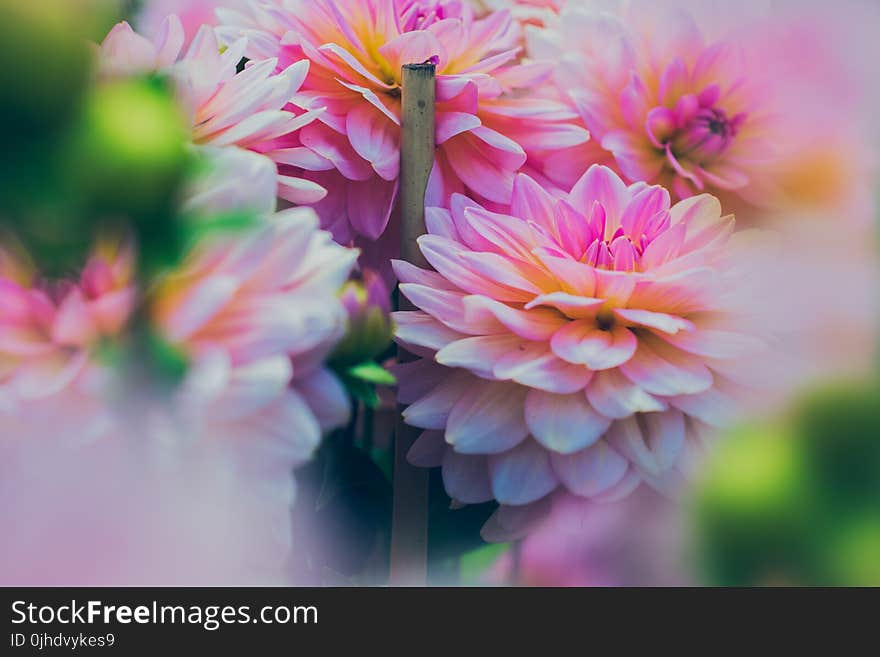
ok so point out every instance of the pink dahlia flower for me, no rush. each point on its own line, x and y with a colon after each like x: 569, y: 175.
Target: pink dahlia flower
x: 49, y: 330
x: 586, y: 343
x: 257, y: 315
x: 356, y: 52
x: 227, y: 108
x: 665, y: 106
x: 193, y: 15
x: 527, y: 12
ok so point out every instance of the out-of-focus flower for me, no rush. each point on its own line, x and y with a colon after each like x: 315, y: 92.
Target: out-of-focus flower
x: 257, y: 315
x: 640, y: 541
x: 49, y: 330
x: 586, y: 343
x: 227, y: 108
x: 125, y: 52
x: 729, y: 107
x: 193, y: 15
x: 356, y: 57
x: 527, y: 12
x: 665, y: 106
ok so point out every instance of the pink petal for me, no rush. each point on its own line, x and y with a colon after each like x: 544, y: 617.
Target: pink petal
x: 574, y: 307
x: 450, y: 124
x: 536, y: 366
x: 488, y: 419
x: 432, y: 410
x: 600, y: 184
x: 478, y: 354
x: 582, y: 342
x: 563, y: 423
x: 522, y: 475
x: 655, y: 444
x: 661, y: 369
x: 591, y: 471
x: 466, y: 477
x: 369, y: 205
x: 376, y: 139
x: 536, y: 324
x: 428, y: 450
x: 663, y: 322
x: 421, y: 330
x: 615, y: 396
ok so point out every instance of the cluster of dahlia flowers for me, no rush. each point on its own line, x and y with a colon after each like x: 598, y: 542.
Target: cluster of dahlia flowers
x: 589, y: 318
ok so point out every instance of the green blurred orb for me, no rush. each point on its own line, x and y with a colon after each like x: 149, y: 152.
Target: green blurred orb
x: 799, y: 502
x: 840, y: 431
x: 129, y: 154
x: 750, y: 509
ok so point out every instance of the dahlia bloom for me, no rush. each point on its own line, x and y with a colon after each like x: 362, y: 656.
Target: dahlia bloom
x: 586, y: 343
x: 356, y: 57
x: 665, y: 106
x: 527, y: 12
x: 257, y: 315
x: 227, y: 108
x: 193, y: 15
x: 49, y: 330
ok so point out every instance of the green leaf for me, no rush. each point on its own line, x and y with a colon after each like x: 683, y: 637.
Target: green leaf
x: 476, y: 562
x: 362, y: 391
x: 372, y: 373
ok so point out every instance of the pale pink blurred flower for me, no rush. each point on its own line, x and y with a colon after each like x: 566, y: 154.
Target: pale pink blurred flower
x: 526, y: 12
x: 257, y: 314
x: 356, y: 54
x: 586, y: 343
x: 665, y: 105
x: 125, y: 52
x: 226, y: 108
x: 193, y: 14
x: 189, y: 484
x: 640, y: 541
x: 50, y: 329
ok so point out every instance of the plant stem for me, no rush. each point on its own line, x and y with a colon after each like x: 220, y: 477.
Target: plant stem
x: 409, y: 522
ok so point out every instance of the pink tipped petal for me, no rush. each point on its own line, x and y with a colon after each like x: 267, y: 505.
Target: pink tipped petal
x: 583, y: 343
x: 652, y: 441
x: 375, y: 139
x: 660, y: 321
x: 591, y: 471
x: 522, y: 475
x: 428, y: 450
x: 432, y: 410
x: 600, y: 184
x: 563, y: 423
x: 466, y: 477
x: 478, y: 354
x: 571, y: 306
x: 488, y: 420
x: 615, y: 396
x: 537, y: 324
x: 661, y: 369
x: 536, y: 366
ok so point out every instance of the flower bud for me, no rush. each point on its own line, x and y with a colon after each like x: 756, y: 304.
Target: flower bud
x: 369, y: 332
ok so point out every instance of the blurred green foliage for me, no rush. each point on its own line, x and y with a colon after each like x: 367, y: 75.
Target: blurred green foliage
x: 82, y: 154
x: 797, y: 502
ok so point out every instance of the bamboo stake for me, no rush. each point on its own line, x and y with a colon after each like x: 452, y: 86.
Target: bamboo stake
x: 409, y: 522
